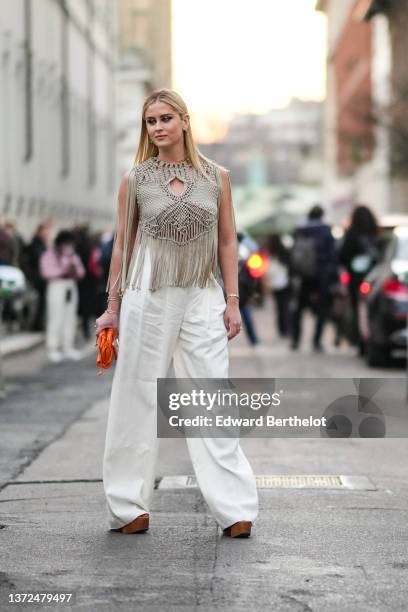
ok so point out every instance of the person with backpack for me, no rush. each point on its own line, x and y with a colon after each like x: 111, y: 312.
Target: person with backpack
x: 313, y: 269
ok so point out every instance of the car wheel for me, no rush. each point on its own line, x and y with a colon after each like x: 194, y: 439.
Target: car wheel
x: 376, y: 355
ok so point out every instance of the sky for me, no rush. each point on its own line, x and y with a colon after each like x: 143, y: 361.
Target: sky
x: 239, y: 56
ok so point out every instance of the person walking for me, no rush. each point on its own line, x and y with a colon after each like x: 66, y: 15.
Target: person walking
x: 175, y: 227
x: 313, y: 274
x: 279, y: 284
x: 358, y: 253
x: 61, y: 267
x: 34, y: 250
x: 246, y: 289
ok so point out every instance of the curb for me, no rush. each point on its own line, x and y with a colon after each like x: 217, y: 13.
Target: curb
x: 18, y: 343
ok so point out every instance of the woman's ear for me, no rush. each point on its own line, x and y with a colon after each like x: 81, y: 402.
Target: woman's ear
x: 186, y: 122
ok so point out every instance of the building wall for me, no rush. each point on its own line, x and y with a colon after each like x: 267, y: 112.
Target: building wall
x: 144, y: 64
x: 358, y: 68
x: 352, y: 59
x: 397, y: 14
x: 57, y: 151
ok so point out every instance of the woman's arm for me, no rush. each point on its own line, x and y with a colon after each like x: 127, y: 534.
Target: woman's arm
x: 110, y: 318
x: 228, y: 255
x: 227, y: 237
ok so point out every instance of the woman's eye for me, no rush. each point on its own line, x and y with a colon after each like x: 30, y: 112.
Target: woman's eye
x: 152, y: 121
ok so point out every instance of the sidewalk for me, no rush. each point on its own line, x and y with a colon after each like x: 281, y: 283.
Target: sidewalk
x: 20, y: 342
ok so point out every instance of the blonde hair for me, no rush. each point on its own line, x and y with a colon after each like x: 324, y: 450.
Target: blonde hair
x: 148, y: 149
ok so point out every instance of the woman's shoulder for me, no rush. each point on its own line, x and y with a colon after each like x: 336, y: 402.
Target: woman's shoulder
x: 218, y: 173
x: 136, y: 168
x: 213, y: 165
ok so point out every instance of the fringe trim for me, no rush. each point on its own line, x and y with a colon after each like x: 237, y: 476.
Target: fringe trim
x: 130, y: 220
x: 192, y: 264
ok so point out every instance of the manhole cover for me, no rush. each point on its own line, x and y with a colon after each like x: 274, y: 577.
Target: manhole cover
x: 276, y: 481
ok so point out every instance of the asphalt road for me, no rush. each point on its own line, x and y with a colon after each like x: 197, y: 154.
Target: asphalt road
x: 311, y: 549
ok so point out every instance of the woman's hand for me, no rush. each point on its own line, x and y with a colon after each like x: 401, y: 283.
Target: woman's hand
x: 107, y: 320
x: 232, y: 319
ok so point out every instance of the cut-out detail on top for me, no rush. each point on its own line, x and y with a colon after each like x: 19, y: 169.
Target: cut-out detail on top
x: 180, y: 185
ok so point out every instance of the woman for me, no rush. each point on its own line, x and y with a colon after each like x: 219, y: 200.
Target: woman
x: 278, y: 276
x: 175, y: 225
x: 61, y: 267
x: 358, y: 253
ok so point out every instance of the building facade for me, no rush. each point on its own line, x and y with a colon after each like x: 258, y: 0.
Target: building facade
x: 144, y: 64
x: 57, y: 145
x: 356, y: 136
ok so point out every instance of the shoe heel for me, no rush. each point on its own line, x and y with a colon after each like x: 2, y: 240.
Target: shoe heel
x: 241, y: 529
x: 139, y: 524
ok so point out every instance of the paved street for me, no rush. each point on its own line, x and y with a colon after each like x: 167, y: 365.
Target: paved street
x: 311, y: 549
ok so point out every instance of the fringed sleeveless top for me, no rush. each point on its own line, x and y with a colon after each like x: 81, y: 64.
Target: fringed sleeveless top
x: 179, y: 231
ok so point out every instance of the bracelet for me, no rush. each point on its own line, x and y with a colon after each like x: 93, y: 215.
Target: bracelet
x: 233, y: 295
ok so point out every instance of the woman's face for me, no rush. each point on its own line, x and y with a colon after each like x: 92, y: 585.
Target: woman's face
x: 164, y: 125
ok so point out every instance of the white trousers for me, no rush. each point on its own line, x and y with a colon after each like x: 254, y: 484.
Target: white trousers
x: 61, y: 314
x: 185, y: 324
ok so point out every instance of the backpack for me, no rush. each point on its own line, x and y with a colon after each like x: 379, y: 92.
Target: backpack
x: 304, y: 257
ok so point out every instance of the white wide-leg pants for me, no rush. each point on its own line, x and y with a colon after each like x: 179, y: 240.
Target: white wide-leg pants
x: 185, y: 324
x: 61, y: 305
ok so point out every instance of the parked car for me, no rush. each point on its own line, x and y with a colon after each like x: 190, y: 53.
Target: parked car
x: 383, y: 303
x: 341, y: 312
x: 18, y: 299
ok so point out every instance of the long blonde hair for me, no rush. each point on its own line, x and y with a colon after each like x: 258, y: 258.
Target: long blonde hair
x: 148, y: 149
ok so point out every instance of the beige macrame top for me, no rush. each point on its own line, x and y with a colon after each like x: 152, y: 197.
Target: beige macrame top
x: 179, y: 231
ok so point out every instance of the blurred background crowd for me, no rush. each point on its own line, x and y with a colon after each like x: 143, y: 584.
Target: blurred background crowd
x: 357, y: 283
x: 317, y: 147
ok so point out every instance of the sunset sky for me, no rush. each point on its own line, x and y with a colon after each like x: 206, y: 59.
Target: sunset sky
x: 236, y: 56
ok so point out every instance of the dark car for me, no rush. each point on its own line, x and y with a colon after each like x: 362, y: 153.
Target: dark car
x: 383, y: 303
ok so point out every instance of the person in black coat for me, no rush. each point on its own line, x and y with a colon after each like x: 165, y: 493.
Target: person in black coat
x: 31, y: 269
x: 313, y: 271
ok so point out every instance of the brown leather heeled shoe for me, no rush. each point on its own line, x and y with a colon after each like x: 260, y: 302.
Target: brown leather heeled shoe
x: 139, y: 524
x: 241, y: 529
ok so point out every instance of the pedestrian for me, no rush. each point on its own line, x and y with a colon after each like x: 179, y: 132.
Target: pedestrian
x: 97, y: 274
x: 279, y: 282
x: 87, y: 286
x: 165, y: 301
x: 313, y: 274
x: 246, y: 289
x: 7, y: 248
x: 359, y: 252
x: 61, y: 267
x: 33, y: 252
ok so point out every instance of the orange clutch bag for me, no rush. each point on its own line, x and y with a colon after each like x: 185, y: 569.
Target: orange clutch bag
x: 107, y: 349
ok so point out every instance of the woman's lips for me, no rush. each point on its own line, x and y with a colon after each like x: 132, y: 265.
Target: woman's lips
x: 162, y: 136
